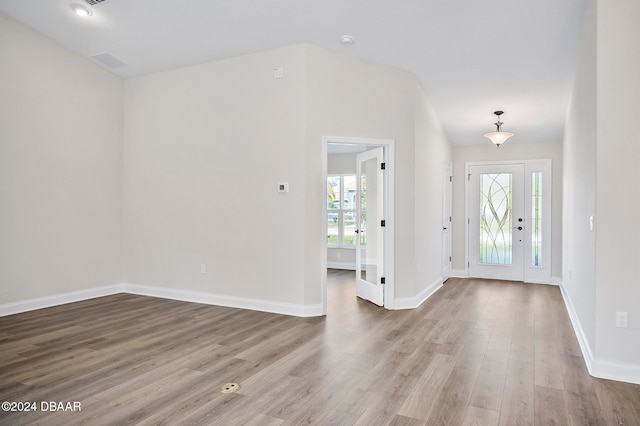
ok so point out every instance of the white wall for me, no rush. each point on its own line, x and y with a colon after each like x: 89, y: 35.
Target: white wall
x: 205, y: 147
x: 143, y: 182
x: 618, y: 174
x: 60, y: 169
x: 431, y: 152
x: 579, y: 184
x: 341, y: 164
x: 511, y: 150
x: 351, y: 98
x: 602, y: 267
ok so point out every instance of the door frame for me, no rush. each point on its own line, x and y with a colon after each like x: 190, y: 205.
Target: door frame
x: 388, y: 146
x: 532, y: 274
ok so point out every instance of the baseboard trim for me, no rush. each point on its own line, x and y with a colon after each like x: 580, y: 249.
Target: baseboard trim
x: 418, y: 299
x: 165, y: 293
x: 458, y: 273
x: 342, y: 265
x: 229, y: 301
x: 619, y: 371
x: 587, y: 354
x: 58, y: 299
x: 542, y: 282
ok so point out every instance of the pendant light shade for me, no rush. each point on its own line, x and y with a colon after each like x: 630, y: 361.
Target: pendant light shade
x: 498, y: 137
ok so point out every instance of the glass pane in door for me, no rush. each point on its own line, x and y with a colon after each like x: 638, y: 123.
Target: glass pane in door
x: 536, y: 219
x: 349, y: 223
x: 495, y: 218
x: 368, y: 215
x: 349, y: 227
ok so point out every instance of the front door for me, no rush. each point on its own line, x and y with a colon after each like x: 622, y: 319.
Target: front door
x: 497, y: 223
x: 370, y: 240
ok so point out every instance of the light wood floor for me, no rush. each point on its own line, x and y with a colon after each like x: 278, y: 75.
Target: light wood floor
x: 477, y: 352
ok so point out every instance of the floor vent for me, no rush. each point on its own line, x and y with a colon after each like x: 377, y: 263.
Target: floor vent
x: 229, y: 387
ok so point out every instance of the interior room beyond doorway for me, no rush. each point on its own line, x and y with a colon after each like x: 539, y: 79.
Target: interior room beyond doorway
x: 356, y: 212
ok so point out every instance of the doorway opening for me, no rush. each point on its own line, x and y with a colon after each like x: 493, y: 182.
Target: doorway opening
x: 357, y: 219
x: 508, y: 209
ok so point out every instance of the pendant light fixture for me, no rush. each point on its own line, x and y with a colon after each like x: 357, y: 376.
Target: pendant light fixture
x: 498, y: 137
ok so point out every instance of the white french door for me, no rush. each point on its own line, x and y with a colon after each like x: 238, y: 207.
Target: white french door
x: 370, y: 238
x: 509, y: 221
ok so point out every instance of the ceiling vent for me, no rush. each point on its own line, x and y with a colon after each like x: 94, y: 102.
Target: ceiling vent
x: 108, y: 60
x: 93, y: 2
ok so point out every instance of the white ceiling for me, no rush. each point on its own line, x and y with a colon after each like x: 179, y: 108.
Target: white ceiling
x: 472, y: 56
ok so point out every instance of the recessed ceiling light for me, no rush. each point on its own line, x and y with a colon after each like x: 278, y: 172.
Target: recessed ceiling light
x: 346, y: 39
x: 81, y: 10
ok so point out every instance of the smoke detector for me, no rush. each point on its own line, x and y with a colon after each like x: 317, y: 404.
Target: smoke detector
x: 81, y: 10
x: 346, y: 40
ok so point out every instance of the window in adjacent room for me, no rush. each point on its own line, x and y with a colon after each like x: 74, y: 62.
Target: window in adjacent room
x: 341, y: 210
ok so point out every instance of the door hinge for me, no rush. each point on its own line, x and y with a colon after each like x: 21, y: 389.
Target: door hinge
x: 382, y: 280
x: 449, y: 258
x: 468, y: 266
x: 449, y: 218
x: 450, y: 178
x: 383, y: 223
x: 469, y: 176
x: 468, y: 221
x: 383, y: 166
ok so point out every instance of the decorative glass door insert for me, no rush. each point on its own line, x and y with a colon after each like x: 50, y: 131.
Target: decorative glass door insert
x: 496, y: 218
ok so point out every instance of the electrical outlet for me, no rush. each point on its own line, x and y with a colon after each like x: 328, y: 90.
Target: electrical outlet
x: 621, y: 319
x: 203, y: 268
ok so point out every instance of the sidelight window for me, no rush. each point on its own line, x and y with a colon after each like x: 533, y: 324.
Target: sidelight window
x: 536, y: 219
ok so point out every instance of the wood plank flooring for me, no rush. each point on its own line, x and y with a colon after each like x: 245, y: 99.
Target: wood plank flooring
x: 478, y: 352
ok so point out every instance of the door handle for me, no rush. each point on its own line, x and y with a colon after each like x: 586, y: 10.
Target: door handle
x: 519, y: 228
x: 444, y: 229
x: 357, y: 231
